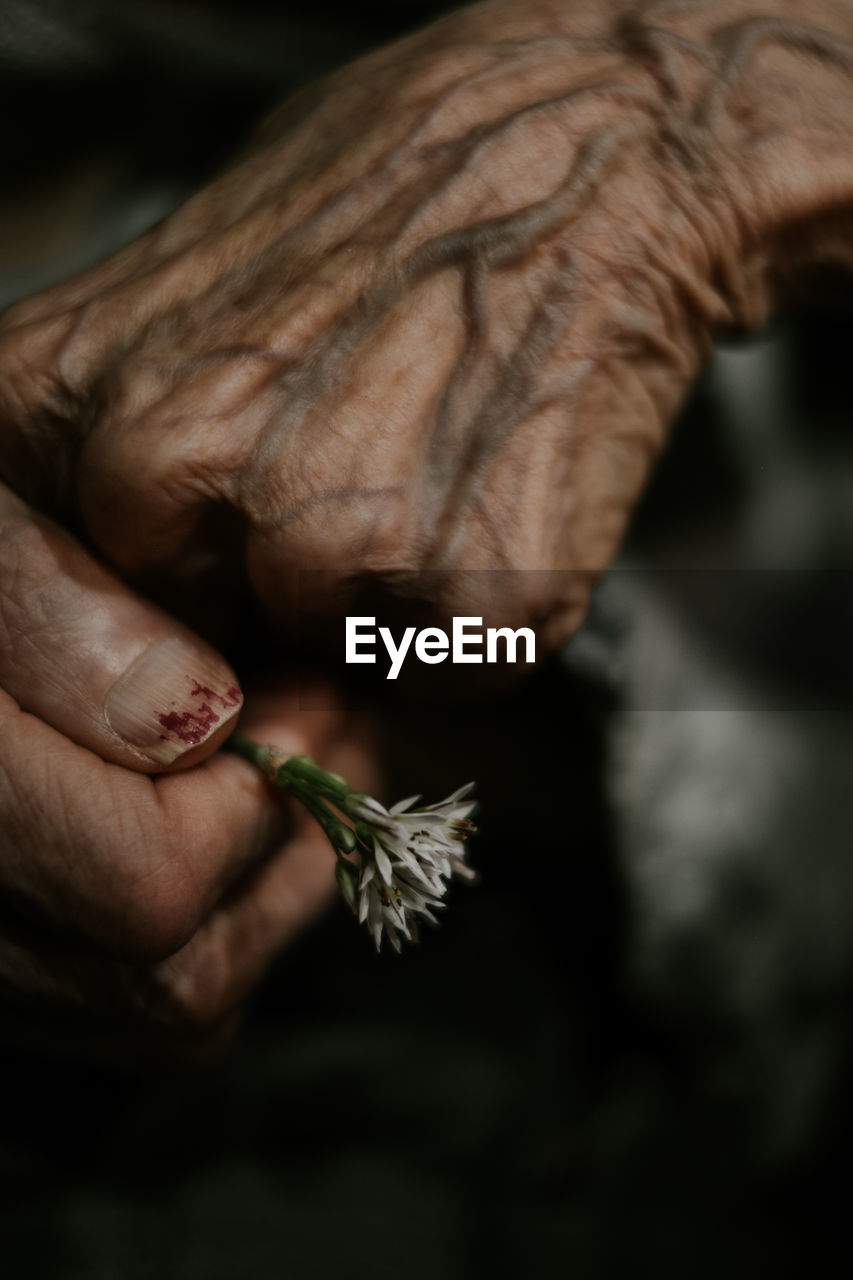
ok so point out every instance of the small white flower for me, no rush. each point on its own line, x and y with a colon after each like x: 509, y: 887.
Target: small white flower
x: 407, y: 856
x: 445, y: 826
x: 411, y: 857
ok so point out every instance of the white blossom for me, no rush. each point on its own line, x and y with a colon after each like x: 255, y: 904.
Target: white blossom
x: 410, y: 858
x: 393, y: 865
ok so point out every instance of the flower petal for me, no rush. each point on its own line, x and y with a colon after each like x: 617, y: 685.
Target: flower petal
x: 383, y: 863
x: 404, y: 804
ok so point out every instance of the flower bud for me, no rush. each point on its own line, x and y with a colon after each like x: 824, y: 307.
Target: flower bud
x: 347, y: 878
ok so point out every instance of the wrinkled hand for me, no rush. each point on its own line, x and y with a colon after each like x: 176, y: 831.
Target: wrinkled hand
x: 134, y: 908
x: 439, y: 315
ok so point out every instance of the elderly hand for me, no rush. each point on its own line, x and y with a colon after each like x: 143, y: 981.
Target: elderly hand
x: 439, y: 314
x: 137, y: 909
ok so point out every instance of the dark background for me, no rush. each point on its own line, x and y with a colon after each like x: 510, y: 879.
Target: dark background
x: 628, y: 1049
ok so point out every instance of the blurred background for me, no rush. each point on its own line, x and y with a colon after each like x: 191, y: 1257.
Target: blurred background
x: 629, y: 1047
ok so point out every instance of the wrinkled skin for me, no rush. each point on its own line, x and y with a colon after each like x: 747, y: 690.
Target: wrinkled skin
x: 435, y: 319
x: 146, y: 908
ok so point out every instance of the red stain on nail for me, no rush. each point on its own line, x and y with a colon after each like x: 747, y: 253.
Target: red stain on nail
x: 193, y: 726
x: 190, y: 727
x: 230, y: 698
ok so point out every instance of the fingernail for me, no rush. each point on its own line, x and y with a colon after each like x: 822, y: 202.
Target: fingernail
x: 172, y: 698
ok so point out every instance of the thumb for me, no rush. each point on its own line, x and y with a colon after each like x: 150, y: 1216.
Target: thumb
x: 109, y: 670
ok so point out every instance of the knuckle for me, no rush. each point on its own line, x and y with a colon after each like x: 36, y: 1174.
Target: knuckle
x: 150, y: 437
x: 137, y: 384
x: 156, y: 923
x: 190, y: 996
x: 141, y: 489
x: 38, y: 404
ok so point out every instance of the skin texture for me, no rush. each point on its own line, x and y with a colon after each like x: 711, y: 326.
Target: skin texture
x: 435, y: 320
x: 138, y: 912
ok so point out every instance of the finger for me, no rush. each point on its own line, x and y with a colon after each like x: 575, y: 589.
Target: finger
x: 192, y: 995
x: 102, y: 666
x: 101, y: 853
x: 60, y: 999
x: 99, y: 1004
x: 197, y: 991
x: 50, y: 347
x: 130, y: 863
x: 200, y: 988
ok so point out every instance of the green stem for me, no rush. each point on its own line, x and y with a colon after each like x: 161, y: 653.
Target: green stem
x: 321, y: 781
x: 340, y: 836
x: 249, y: 750
x: 307, y: 783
